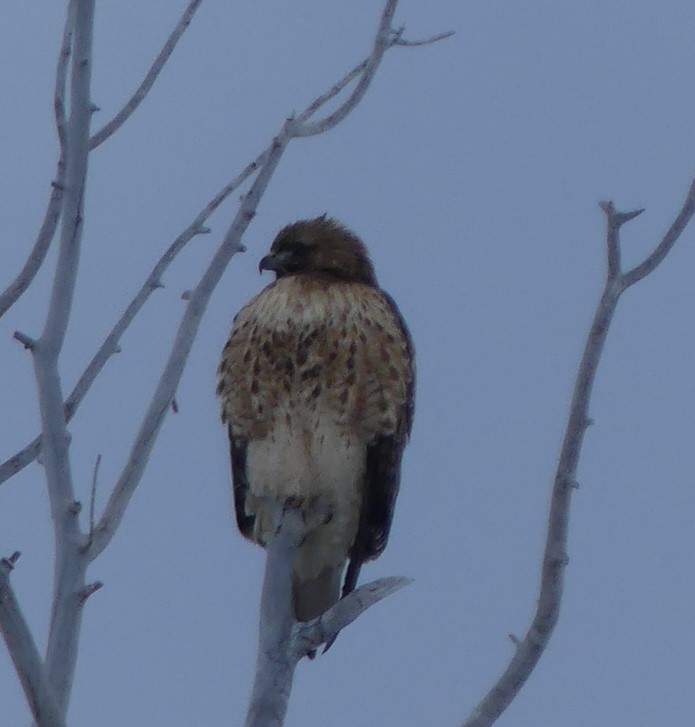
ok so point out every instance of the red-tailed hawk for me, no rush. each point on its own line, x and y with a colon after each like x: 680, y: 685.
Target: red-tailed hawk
x: 317, y: 387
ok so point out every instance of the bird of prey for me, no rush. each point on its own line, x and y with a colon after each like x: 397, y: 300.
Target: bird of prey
x: 317, y: 387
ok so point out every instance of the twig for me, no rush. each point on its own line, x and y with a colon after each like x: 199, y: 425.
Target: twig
x: 87, y: 591
x: 529, y: 649
x: 24, y: 654
x: 144, y: 88
x: 424, y: 41
x: 614, y: 221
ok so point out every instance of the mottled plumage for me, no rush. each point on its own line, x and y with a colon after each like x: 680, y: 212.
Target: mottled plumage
x: 317, y: 382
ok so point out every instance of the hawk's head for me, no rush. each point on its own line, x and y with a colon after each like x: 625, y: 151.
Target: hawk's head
x: 321, y: 245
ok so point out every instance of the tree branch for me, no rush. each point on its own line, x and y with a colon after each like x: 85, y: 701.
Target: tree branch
x: 144, y: 88
x: 61, y: 654
x: 386, y: 37
x: 276, y: 659
x: 110, y: 346
x: 19, y: 285
x: 529, y: 649
x: 323, y: 630
x: 283, y: 641
x: 24, y: 654
x: 188, y: 328
x: 425, y: 41
x: 664, y: 247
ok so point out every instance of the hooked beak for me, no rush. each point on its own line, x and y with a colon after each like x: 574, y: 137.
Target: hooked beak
x: 276, y: 262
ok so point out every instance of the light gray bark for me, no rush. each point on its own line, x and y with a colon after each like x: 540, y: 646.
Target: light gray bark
x: 282, y: 641
x: 530, y: 648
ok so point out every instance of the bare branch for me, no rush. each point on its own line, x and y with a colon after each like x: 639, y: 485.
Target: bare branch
x: 283, y: 641
x: 324, y: 98
x: 92, y: 498
x: 16, y: 288
x: 30, y: 452
x: 24, y: 654
x: 424, y: 41
x: 383, y: 41
x: 664, y: 247
x: 529, y: 649
x: 87, y: 591
x: 614, y: 221
x: 386, y: 38
x: 27, y: 341
x: 144, y: 88
x: 323, y: 630
x: 61, y: 80
x: 276, y: 659
x: 188, y: 328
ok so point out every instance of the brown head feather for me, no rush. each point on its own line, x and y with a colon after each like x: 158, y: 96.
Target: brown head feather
x: 321, y: 245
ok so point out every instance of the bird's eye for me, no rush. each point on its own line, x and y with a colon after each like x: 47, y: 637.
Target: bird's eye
x: 295, y: 247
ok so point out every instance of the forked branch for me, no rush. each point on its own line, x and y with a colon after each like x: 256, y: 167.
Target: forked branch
x: 283, y: 641
x: 529, y: 649
x: 25, y: 655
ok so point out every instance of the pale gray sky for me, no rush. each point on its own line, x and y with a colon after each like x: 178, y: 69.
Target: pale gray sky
x: 472, y: 170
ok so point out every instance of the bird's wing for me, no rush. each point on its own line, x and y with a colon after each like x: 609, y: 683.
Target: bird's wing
x: 384, y: 453
x: 237, y: 447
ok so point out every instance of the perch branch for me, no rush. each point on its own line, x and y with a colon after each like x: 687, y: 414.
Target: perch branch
x: 529, y: 649
x: 276, y: 660
x: 24, y: 654
x: 283, y: 641
x: 323, y: 630
x: 144, y: 88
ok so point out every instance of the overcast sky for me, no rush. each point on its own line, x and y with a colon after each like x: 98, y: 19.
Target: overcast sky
x: 472, y: 170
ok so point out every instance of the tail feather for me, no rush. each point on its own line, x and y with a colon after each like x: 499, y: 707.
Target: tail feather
x: 313, y: 596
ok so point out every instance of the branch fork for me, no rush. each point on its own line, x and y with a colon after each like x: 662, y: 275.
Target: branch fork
x: 530, y: 648
x: 283, y: 641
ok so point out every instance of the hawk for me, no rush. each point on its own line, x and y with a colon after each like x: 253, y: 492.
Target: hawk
x: 317, y: 385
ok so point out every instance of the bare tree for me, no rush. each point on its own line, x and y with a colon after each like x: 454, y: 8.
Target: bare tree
x: 48, y: 681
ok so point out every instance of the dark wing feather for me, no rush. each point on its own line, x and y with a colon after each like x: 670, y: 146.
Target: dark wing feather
x: 237, y: 446
x: 382, y: 480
